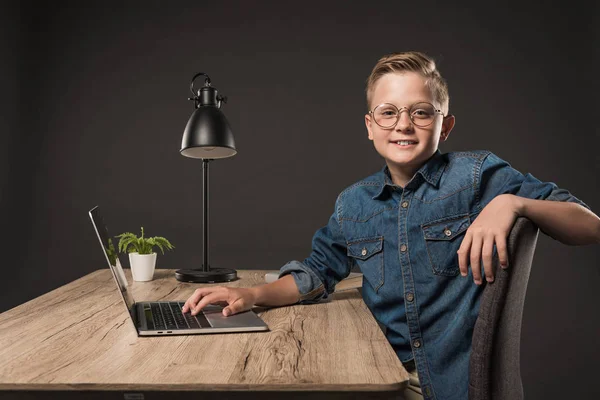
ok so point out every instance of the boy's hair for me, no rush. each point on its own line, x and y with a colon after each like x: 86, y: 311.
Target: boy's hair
x: 413, y: 61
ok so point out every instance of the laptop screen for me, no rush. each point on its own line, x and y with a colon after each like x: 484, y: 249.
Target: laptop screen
x: 112, y: 257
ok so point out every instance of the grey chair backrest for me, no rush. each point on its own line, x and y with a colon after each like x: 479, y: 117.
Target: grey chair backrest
x: 494, y: 367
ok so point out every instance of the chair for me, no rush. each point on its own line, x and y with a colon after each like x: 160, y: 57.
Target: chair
x: 494, y: 366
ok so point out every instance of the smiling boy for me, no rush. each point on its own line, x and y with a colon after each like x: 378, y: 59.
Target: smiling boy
x: 415, y: 226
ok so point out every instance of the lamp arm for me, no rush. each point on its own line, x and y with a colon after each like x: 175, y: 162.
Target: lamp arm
x: 205, y: 243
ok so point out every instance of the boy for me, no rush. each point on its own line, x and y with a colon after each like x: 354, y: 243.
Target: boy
x: 413, y: 227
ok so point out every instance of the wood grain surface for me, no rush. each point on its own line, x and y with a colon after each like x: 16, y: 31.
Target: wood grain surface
x: 80, y: 337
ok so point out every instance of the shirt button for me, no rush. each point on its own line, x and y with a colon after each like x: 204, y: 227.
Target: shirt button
x: 403, y: 248
x: 410, y: 296
x: 417, y: 343
x: 404, y: 204
x: 364, y: 252
x: 447, y: 232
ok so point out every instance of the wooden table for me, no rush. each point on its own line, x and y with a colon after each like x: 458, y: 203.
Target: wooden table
x: 79, y: 338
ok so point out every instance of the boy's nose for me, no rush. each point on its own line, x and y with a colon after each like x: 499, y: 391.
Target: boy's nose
x: 404, y: 122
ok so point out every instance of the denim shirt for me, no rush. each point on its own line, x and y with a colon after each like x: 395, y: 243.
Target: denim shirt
x: 404, y: 240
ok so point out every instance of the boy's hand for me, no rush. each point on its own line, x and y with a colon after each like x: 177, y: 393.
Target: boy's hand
x: 237, y: 299
x: 492, y: 226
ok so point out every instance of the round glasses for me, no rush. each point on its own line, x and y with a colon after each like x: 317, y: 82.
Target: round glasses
x: 422, y: 114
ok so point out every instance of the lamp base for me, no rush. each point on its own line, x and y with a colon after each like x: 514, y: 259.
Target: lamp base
x: 214, y: 275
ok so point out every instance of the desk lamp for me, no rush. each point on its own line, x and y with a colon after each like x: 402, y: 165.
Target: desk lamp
x: 207, y: 136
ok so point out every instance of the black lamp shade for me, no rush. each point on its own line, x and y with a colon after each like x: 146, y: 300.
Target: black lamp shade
x: 207, y: 135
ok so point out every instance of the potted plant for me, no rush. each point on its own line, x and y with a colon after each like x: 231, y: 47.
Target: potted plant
x: 142, y: 257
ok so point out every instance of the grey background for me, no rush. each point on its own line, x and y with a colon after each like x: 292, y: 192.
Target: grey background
x: 94, y: 106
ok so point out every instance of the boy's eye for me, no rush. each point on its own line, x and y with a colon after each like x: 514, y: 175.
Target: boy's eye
x: 422, y: 113
x: 386, y: 112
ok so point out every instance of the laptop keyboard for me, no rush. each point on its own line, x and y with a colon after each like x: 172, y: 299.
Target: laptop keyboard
x: 168, y: 316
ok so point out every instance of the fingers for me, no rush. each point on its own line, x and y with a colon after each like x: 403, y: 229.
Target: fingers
x: 193, y: 300
x: 463, y: 254
x: 213, y: 297
x: 476, y: 258
x: 502, y: 251
x: 242, y: 303
x: 477, y: 248
x: 486, y: 253
x: 232, y: 299
x: 235, y: 307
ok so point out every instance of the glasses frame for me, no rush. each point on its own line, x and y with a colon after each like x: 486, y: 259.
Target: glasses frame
x: 436, y: 110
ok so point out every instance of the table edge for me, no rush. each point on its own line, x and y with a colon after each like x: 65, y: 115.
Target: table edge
x: 284, y: 387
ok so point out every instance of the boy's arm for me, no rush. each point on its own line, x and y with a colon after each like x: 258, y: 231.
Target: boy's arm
x: 327, y: 264
x: 504, y: 194
x: 564, y: 218
x: 304, y: 282
x: 569, y: 223
x: 279, y: 293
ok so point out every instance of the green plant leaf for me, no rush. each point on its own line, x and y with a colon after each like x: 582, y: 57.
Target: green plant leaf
x: 124, y: 244
x: 130, y: 243
x: 134, y: 246
x: 164, y: 242
x: 140, y: 245
x: 151, y: 243
x: 123, y: 238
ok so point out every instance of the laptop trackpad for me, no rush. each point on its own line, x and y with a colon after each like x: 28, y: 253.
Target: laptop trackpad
x: 214, y: 315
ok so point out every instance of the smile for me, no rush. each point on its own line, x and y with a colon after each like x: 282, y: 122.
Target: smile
x: 405, y: 143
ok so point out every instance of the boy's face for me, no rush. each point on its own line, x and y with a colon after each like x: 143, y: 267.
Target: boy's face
x: 403, y: 90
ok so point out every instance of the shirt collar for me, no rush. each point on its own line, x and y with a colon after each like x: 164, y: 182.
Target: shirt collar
x: 431, y: 172
x: 433, y: 168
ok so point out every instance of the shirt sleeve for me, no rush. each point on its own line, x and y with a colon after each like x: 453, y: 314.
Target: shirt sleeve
x: 327, y: 264
x: 498, y: 177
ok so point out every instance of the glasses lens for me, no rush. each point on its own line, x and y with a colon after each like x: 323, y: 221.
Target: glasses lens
x: 422, y: 114
x: 386, y: 115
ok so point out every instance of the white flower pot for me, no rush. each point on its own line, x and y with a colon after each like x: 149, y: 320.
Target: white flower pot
x: 142, y: 266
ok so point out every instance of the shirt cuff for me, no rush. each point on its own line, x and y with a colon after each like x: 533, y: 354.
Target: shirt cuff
x: 309, y: 284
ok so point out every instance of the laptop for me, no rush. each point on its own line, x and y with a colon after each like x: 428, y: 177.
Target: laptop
x: 156, y: 318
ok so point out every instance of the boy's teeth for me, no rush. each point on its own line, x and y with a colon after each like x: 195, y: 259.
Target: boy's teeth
x: 404, y: 142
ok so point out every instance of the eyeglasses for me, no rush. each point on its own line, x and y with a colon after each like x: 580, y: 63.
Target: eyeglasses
x: 422, y: 114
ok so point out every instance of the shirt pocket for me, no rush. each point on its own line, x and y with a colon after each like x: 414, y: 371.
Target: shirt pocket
x: 442, y: 241
x: 368, y: 254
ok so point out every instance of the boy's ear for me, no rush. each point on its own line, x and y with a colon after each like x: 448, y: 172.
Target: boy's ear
x: 447, y: 126
x: 368, y: 125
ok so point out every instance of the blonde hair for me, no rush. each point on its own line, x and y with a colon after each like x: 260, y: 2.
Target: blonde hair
x: 412, y: 61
